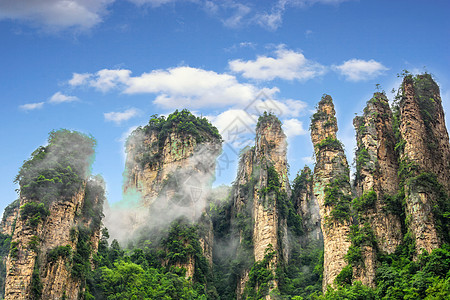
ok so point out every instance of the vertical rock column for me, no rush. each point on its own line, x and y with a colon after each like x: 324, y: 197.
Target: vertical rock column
x: 425, y: 158
x: 270, y: 150
x: 376, y: 178
x: 306, y: 206
x: 332, y: 189
x: 262, y: 169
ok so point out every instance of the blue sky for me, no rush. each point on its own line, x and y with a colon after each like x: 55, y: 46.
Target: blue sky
x: 104, y: 66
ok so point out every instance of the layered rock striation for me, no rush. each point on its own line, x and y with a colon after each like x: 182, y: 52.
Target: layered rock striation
x: 261, y: 184
x: 424, y: 160
x: 331, y: 186
x: 57, y: 230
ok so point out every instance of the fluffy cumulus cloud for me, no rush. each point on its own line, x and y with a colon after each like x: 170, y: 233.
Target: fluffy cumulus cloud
x: 359, y: 70
x: 236, y: 126
x: 31, y: 106
x: 56, y: 14
x: 286, y: 64
x: 175, y: 87
x: 59, y: 97
x: 293, y: 127
x: 119, y: 117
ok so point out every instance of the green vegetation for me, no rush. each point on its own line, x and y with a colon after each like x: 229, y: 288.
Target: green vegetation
x: 267, y: 118
x: 60, y: 251
x: 184, y: 123
x: 361, y: 160
x: 260, y: 276
x: 360, y: 236
x: 338, y: 200
x: 57, y: 170
x: 320, y: 115
x: 345, y: 276
x: 9, y: 210
x: 149, y: 272
x: 5, y: 241
x: 81, y: 258
x: 36, y: 284
x: 426, y: 91
x: 302, y: 276
x: 428, y: 183
x: 365, y: 202
x: 14, y: 250
x: 33, y: 212
x: 330, y: 143
x: 401, y: 277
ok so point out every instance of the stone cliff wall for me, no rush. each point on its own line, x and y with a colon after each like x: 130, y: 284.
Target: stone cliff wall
x: 170, y: 167
x: 9, y: 218
x: 424, y: 158
x: 307, y: 206
x: 36, y: 264
x: 376, y: 178
x: 255, y: 197
x: 331, y: 185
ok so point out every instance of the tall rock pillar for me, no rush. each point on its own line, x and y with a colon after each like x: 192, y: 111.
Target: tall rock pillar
x: 331, y: 185
x: 376, y: 180
x: 425, y: 160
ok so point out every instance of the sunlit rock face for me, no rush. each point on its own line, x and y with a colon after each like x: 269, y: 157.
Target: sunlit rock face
x: 424, y: 160
x: 331, y: 175
x: 57, y: 222
x: 376, y: 178
x: 169, y: 170
x: 252, y: 195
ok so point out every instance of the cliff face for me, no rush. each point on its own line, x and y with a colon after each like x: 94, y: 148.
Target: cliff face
x: 331, y: 185
x: 57, y: 230
x: 424, y: 159
x: 261, y: 179
x: 170, y: 166
x: 375, y: 180
x: 307, y: 207
x: 9, y: 218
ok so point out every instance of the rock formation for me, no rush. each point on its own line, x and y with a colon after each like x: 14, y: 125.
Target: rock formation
x: 425, y: 159
x: 332, y: 189
x: 261, y: 181
x: 9, y: 218
x: 376, y: 180
x: 307, y: 207
x: 169, y: 170
x: 58, y: 227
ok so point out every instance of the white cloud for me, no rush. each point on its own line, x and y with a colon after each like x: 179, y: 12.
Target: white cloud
x: 293, y: 127
x: 119, y: 117
x: 236, y: 126
x: 59, y: 97
x: 31, y: 106
x: 56, y: 14
x: 287, y: 65
x: 79, y: 79
x: 106, y: 80
x: 179, y: 87
x: 194, y: 88
x: 282, y: 109
x: 359, y: 70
